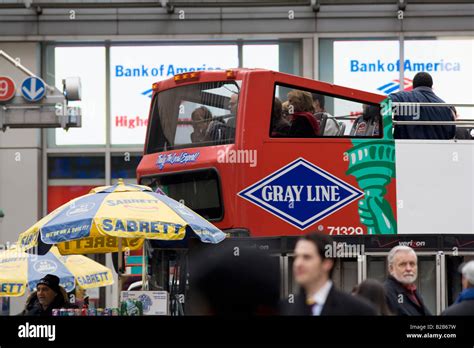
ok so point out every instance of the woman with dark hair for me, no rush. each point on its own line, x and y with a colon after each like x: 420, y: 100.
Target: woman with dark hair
x: 373, y: 290
x: 368, y: 124
x: 280, y: 126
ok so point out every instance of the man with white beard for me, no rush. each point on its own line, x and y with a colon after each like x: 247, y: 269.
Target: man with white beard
x: 400, y: 288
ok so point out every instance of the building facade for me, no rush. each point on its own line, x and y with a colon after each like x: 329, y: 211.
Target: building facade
x: 120, y: 48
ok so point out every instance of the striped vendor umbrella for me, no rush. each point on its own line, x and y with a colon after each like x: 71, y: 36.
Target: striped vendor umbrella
x: 93, y: 223
x: 20, y: 270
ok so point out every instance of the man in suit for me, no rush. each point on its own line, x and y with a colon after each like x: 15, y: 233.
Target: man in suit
x: 312, y: 269
x: 402, y: 296
x: 464, y: 304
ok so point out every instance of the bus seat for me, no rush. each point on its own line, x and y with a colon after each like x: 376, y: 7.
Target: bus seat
x: 342, y: 128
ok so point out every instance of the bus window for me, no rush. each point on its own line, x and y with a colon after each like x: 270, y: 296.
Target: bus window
x: 299, y: 113
x: 201, y: 114
x: 197, y: 189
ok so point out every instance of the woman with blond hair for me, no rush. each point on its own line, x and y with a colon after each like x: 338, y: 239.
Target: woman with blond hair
x: 300, y: 109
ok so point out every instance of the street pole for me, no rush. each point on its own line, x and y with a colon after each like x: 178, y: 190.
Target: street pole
x: 120, y: 270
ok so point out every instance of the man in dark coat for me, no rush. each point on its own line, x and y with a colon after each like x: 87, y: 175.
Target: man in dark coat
x: 464, y: 304
x: 312, y: 269
x: 48, y: 296
x: 402, y: 296
x: 422, y: 93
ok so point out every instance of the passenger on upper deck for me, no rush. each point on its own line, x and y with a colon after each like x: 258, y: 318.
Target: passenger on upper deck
x: 367, y: 125
x: 422, y: 93
x: 303, y: 123
x: 201, y: 118
x: 206, y: 128
x: 461, y: 132
x: 285, y: 110
x: 331, y: 126
x: 279, y: 125
x: 233, y: 102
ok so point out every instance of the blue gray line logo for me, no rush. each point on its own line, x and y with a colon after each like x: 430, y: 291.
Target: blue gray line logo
x: 301, y: 193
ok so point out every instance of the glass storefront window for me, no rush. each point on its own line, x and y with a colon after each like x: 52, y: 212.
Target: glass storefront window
x: 374, y: 66
x: 88, y: 63
x: 133, y: 70
x: 261, y: 56
x: 369, y: 65
x: 76, y: 167
x: 124, y: 166
x: 449, y: 62
x: 73, y: 176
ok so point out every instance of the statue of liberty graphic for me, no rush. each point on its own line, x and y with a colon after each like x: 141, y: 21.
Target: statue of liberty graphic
x: 372, y: 163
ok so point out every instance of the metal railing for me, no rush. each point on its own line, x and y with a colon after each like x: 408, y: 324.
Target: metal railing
x: 462, y: 123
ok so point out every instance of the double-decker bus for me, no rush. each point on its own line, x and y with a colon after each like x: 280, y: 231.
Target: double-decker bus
x: 240, y: 147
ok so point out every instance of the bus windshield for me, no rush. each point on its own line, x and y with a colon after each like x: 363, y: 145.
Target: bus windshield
x: 202, y: 114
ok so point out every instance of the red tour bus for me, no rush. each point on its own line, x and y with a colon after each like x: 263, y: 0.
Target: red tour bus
x: 263, y: 153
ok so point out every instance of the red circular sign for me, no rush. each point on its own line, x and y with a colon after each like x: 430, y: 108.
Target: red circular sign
x: 7, y: 88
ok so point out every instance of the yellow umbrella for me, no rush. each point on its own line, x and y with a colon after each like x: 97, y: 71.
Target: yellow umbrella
x: 96, y: 222
x: 20, y: 270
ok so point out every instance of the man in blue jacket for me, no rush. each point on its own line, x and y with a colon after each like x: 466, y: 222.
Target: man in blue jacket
x: 464, y: 304
x: 422, y: 93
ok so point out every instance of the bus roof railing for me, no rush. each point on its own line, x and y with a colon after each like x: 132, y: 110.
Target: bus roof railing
x: 465, y: 122
x: 431, y: 104
x: 460, y: 123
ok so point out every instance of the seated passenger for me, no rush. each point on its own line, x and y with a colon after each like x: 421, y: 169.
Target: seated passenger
x: 208, y: 129
x: 218, y: 132
x: 461, y: 132
x: 332, y: 127
x: 280, y: 127
x: 233, y: 103
x: 302, y: 122
x: 201, y: 118
x: 367, y: 125
x: 285, y: 110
